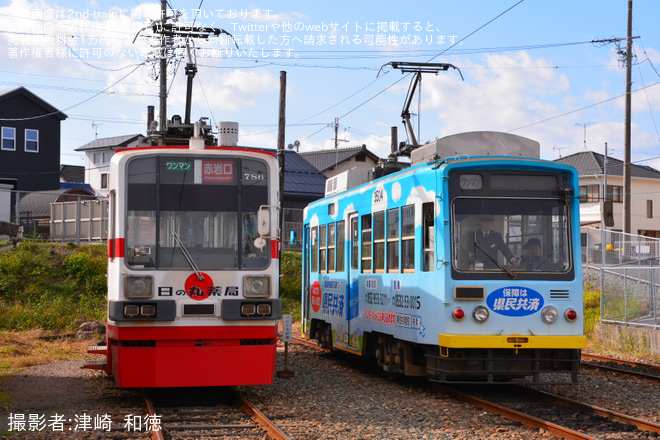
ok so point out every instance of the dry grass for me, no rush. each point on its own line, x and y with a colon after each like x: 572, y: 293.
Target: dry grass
x: 36, y: 347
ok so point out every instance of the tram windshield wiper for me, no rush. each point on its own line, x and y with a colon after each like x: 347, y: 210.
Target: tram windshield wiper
x: 187, y: 256
x: 495, y: 260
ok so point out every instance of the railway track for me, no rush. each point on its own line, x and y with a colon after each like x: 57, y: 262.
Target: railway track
x: 637, y: 369
x: 560, y: 416
x: 212, y: 413
x: 563, y: 417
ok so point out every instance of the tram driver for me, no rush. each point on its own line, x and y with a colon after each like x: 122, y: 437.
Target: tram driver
x: 484, y: 245
x: 534, y: 258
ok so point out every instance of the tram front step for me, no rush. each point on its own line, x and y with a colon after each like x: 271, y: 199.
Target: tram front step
x: 98, y: 349
x: 96, y: 365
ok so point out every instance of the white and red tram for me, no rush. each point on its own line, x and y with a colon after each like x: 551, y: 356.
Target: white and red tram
x: 193, y: 266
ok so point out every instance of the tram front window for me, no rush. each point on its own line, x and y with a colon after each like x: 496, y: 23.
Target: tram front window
x: 178, y: 218
x: 510, y: 236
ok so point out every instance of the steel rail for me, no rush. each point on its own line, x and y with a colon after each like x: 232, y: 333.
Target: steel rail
x: 643, y: 425
x: 308, y: 343
x: 263, y: 421
x: 516, y: 416
x: 154, y: 433
x: 599, y: 358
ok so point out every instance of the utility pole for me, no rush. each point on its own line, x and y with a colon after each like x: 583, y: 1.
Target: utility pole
x: 168, y: 32
x: 627, y: 154
x: 162, y: 126
x: 280, y: 154
x: 335, y: 127
x: 627, y: 58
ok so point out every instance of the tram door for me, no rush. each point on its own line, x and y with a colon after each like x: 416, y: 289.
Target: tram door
x: 352, y: 291
x: 306, y: 282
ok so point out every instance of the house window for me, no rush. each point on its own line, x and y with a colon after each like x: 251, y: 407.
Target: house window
x: 8, y: 138
x: 649, y: 209
x: 589, y: 193
x: 98, y: 157
x: 107, y: 156
x: 31, y: 140
x: 104, y: 180
x: 614, y: 193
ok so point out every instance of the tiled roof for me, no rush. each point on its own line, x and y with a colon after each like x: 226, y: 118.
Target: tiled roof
x: 52, y: 111
x: 110, y: 142
x: 326, y: 159
x: 37, y: 204
x: 589, y: 163
x: 301, y: 179
x: 72, y: 173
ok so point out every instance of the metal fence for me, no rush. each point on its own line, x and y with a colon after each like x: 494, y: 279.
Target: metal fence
x: 292, y: 225
x: 56, y: 215
x: 82, y: 220
x: 628, y: 273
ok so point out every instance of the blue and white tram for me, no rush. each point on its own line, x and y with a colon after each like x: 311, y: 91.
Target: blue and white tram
x: 400, y: 268
x: 193, y: 270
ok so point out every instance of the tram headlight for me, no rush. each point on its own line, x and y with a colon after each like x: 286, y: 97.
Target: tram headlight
x: 480, y: 313
x: 138, y: 287
x: 256, y: 286
x: 549, y: 314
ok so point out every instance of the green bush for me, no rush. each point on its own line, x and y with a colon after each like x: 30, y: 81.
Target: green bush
x: 291, y: 284
x: 591, y: 309
x: 51, y: 286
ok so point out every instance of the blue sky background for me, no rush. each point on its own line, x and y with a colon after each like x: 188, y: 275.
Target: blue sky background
x: 529, y: 68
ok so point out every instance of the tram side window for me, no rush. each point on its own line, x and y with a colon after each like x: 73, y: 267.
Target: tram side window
x: 408, y: 237
x: 366, y: 243
x: 324, y: 249
x: 393, y: 240
x: 315, y: 249
x: 428, y: 236
x: 379, y: 242
x: 340, y: 246
x: 331, y: 247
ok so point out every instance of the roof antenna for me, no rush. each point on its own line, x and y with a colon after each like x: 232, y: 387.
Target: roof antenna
x: 96, y: 126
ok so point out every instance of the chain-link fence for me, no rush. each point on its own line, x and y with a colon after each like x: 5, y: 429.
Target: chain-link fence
x: 292, y: 234
x: 628, y: 273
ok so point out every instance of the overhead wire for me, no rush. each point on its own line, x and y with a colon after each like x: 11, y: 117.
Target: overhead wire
x: 75, y: 105
x: 431, y: 59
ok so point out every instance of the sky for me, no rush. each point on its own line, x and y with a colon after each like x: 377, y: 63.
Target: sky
x: 552, y: 71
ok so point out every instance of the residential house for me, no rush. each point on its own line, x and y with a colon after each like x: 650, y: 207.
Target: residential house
x: 29, y: 146
x: 335, y: 161
x: 645, y: 192
x: 97, y: 159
